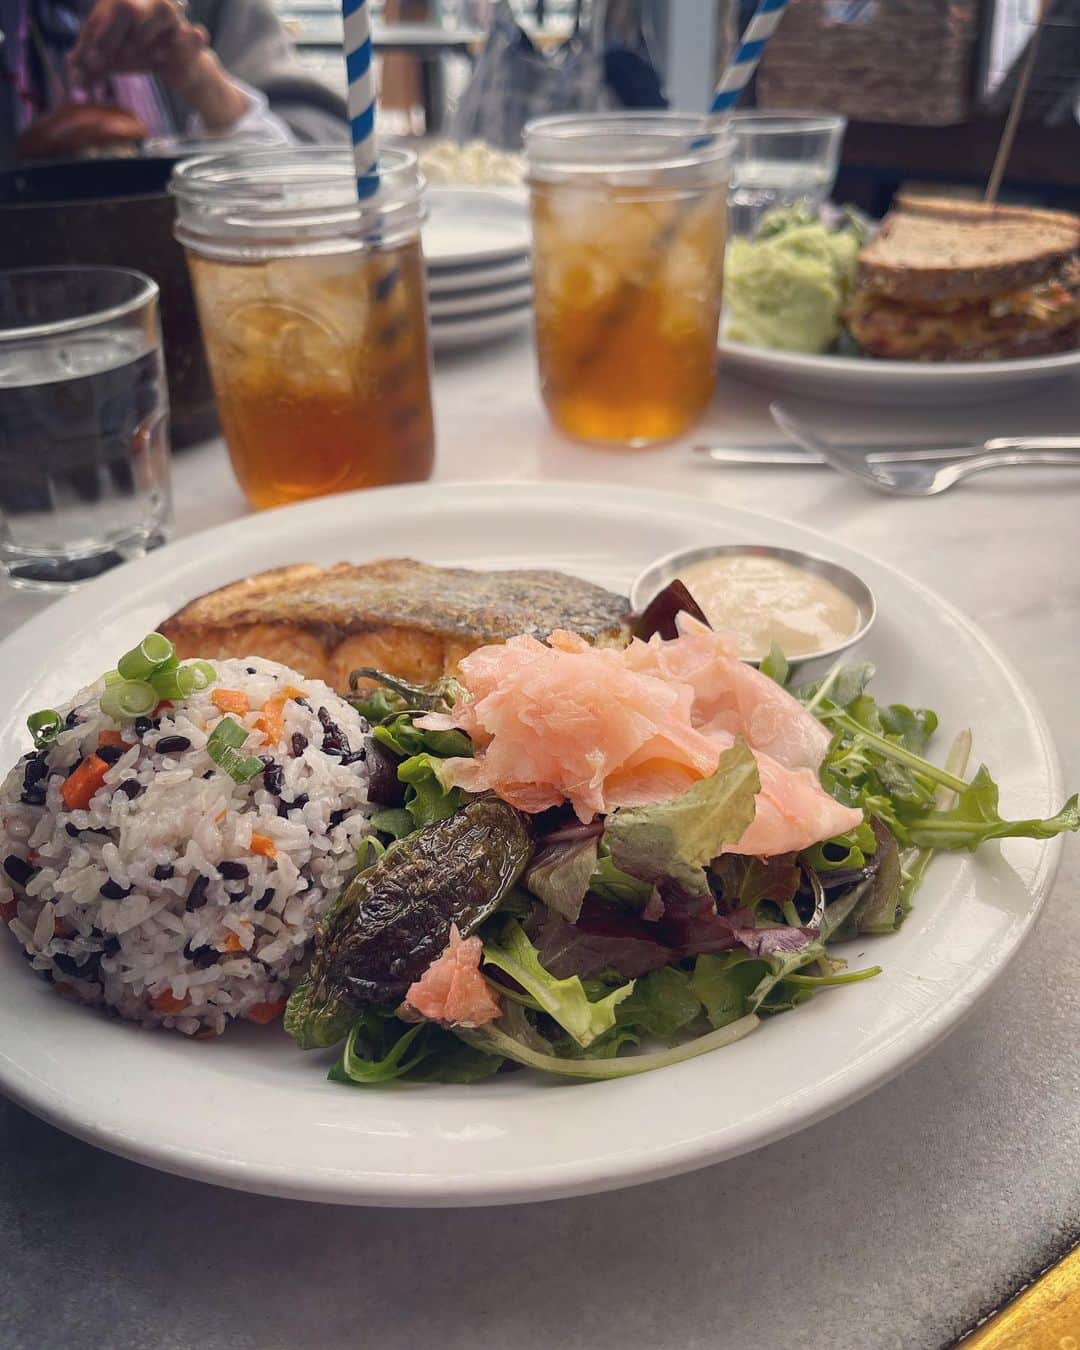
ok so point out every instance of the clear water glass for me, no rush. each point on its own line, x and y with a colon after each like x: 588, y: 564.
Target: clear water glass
x: 781, y: 159
x: 84, y: 423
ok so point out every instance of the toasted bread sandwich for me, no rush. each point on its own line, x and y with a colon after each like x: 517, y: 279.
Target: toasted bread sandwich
x: 961, y: 281
x: 407, y: 618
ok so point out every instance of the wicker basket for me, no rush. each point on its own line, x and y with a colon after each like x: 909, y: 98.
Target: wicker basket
x: 905, y: 61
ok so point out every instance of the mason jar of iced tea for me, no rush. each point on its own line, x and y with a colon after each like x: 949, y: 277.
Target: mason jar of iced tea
x: 313, y: 312
x: 629, y: 214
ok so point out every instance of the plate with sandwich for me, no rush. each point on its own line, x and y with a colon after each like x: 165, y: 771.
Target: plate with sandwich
x: 949, y: 300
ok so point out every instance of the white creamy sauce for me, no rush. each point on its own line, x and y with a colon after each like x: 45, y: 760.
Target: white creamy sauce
x: 762, y: 600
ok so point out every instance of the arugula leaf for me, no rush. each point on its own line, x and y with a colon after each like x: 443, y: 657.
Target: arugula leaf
x: 916, y: 860
x: 841, y: 686
x: 779, y: 965
x: 606, y: 1046
x: 723, y: 984
x: 975, y: 818
x: 844, y: 852
x: 877, y: 748
x: 675, y: 839
x: 426, y: 798
x: 874, y: 904
x: 914, y: 727
x: 368, y: 851
x: 564, y: 1000
x: 377, y: 1050
x: 663, y: 1002
x: 775, y: 665
x: 874, y: 763
x: 871, y: 766
x: 381, y: 1048
x: 800, y: 981
x: 447, y: 1059
x: 560, y: 874
x: 404, y: 737
x: 497, y: 1040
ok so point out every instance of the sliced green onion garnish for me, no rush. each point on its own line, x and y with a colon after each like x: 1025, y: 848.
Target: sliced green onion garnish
x: 223, y: 747
x: 177, y: 682
x: 44, y: 727
x: 152, y: 653
x: 240, y: 768
x: 204, y: 673
x: 112, y: 677
x: 129, y: 698
x: 228, y: 732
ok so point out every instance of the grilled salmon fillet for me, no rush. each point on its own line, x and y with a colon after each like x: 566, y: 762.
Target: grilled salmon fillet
x: 407, y: 618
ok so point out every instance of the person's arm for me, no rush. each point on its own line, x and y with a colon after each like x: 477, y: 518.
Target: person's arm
x: 217, y: 102
x: 154, y: 37
x: 253, y: 46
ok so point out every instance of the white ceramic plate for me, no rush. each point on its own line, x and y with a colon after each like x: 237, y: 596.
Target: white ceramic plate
x: 453, y: 280
x: 250, y: 1111
x: 451, y: 334
x: 480, y: 302
x: 469, y: 226
x: 860, y: 379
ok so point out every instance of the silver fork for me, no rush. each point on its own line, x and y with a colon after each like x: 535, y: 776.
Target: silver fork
x: 924, y: 478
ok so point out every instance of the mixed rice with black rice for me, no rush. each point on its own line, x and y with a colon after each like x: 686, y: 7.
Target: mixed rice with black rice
x: 178, y: 896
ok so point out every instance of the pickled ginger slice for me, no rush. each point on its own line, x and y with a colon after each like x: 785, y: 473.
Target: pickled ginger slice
x: 731, y: 696
x: 603, y: 728
x: 452, y: 989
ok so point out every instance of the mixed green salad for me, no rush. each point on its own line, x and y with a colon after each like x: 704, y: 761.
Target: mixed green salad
x: 633, y: 941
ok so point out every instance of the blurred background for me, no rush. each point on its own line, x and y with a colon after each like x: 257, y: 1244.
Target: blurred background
x: 925, y: 84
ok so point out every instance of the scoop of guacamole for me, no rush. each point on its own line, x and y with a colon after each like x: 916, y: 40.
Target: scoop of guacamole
x: 786, y: 286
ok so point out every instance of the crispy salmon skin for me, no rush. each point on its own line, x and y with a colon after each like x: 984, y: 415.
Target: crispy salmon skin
x: 408, y: 618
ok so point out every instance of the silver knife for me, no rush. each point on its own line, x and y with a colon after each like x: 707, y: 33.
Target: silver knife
x: 876, y: 452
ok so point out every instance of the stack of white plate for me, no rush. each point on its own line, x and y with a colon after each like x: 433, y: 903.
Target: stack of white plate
x: 478, y: 250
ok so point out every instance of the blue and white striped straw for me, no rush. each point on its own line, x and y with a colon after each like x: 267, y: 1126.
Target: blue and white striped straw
x: 761, y: 27
x: 361, y: 101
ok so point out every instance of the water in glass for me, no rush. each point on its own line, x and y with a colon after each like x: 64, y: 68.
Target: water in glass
x: 84, y: 473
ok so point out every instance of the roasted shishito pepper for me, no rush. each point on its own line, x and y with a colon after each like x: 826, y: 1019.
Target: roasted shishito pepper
x: 394, y: 919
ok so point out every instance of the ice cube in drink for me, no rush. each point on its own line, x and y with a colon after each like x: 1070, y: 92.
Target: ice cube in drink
x: 321, y: 369
x: 627, y: 297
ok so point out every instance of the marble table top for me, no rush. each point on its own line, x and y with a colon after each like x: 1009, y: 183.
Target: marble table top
x: 891, y: 1226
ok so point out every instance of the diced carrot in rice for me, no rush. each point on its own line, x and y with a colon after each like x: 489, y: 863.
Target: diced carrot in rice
x: 266, y: 1012
x: 230, y: 701
x: 271, y: 718
x: 82, y: 783
x: 167, y: 1003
